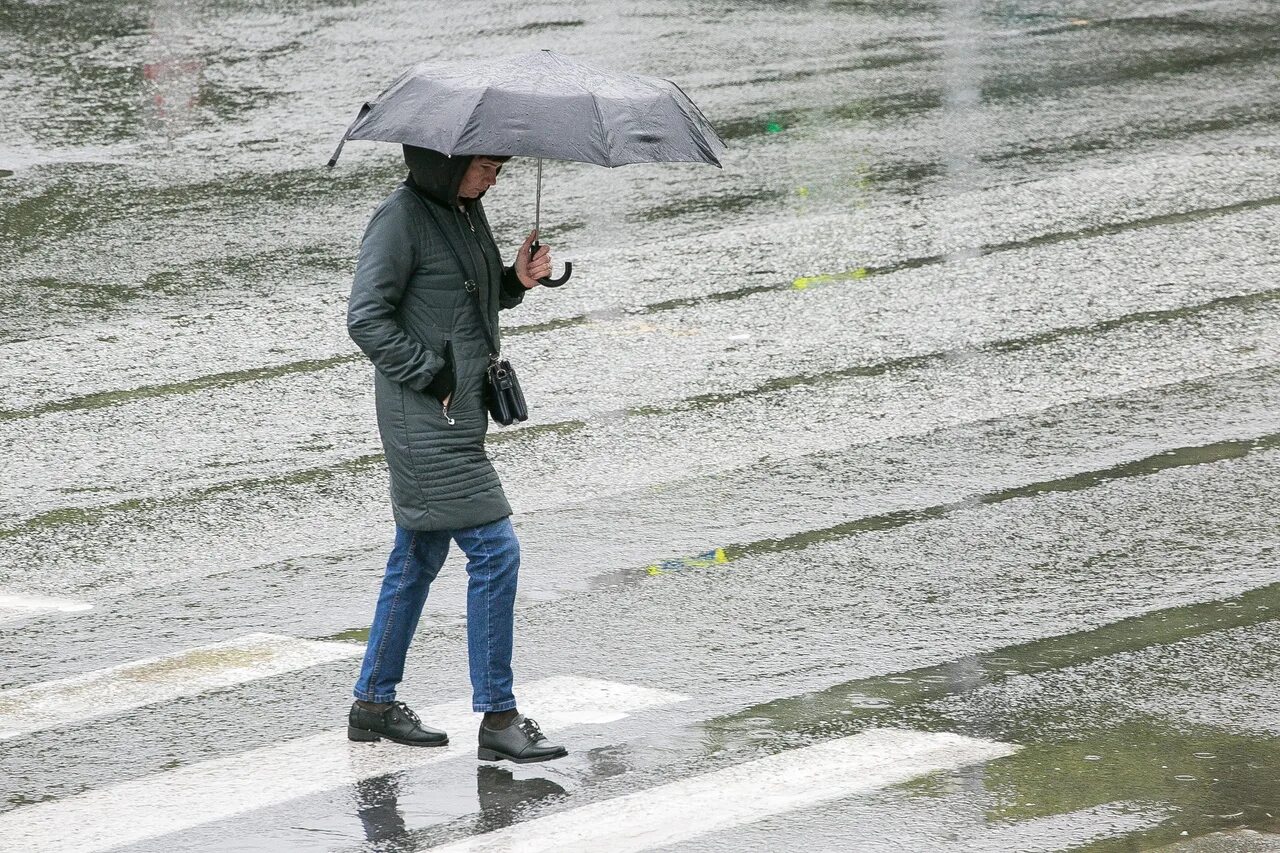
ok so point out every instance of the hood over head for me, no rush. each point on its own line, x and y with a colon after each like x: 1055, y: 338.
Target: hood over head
x: 438, y: 176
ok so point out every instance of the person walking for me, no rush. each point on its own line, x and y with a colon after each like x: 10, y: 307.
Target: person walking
x: 427, y: 277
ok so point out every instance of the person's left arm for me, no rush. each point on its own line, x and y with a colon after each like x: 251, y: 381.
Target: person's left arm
x: 523, y: 275
x: 512, y: 292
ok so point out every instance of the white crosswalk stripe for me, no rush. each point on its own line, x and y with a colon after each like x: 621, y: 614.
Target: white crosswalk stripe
x: 187, y: 797
x: 138, y: 683
x: 738, y: 795
x: 14, y: 606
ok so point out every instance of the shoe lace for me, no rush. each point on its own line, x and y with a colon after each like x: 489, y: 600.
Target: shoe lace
x: 407, y: 711
x: 530, y: 728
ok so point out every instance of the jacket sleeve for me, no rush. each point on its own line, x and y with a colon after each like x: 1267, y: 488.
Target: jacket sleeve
x: 388, y: 257
x: 512, y: 292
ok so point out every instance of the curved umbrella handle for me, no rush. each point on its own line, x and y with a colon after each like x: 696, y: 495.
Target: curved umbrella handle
x: 552, y: 282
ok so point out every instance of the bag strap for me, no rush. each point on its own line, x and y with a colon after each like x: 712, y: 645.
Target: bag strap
x: 471, y: 286
x: 468, y: 284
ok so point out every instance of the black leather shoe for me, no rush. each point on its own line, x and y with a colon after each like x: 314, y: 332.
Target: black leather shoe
x: 522, y: 742
x: 398, y: 723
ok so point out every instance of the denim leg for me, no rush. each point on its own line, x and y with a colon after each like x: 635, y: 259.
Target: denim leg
x: 414, y: 563
x: 493, y: 562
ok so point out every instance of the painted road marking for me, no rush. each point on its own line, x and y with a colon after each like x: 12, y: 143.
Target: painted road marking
x: 51, y: 704
x: 187, y: 797
x: 738, y: 795
x: 14, y: 606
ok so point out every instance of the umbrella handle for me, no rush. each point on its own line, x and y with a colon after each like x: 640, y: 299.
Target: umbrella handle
x: 552, y: 282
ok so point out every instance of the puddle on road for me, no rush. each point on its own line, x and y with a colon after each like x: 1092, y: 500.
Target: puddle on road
x: 1210, y: 779
x: 1206, y: 778
x: 360, y: 635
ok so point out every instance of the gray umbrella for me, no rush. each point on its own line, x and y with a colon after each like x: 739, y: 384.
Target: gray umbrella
x: 539, y: 104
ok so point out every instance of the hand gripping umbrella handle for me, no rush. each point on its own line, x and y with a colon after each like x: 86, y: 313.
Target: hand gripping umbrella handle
x: 552, y: 282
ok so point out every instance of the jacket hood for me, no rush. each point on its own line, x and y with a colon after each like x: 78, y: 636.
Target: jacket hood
x: 437, y: 176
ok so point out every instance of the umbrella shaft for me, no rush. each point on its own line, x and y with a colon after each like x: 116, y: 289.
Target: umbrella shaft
x: 537, y: 205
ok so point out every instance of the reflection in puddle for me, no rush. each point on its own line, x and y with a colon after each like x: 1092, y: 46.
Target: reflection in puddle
x: 803, y: 282
x: 378, y: 807
x: 172, y: 71
x: 705, y: 560
x: 503, y: 797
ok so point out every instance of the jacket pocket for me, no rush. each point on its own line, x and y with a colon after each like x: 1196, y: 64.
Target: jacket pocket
x: 445, y: 382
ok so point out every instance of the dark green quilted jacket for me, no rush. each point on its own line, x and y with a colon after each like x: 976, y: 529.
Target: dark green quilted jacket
x: 412, y: 316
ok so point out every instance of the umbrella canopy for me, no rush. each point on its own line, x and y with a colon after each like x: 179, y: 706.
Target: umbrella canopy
x: 539, y: 104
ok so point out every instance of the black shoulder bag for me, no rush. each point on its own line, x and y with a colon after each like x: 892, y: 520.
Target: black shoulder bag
x: 502, y: 394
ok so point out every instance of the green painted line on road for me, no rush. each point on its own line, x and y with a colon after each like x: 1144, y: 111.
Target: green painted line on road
x: 317, y: 477
x: 808, y: 715
x: 1179, y: 457
x: 105, y: 399
x: 1073, y: 235
x: 1247, y: 301
x: 1108, y: 230
x: 1005, y: 87
x: 700, y: 402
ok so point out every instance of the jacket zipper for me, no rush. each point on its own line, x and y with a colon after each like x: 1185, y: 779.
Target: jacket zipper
x: 483, y: 255
x: 453, y: 368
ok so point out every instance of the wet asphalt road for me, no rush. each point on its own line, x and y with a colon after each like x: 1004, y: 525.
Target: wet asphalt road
x: 947, y: 406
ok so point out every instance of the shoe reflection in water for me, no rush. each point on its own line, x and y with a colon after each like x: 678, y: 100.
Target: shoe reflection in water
x: 379, y: 811
x: 503, y: 798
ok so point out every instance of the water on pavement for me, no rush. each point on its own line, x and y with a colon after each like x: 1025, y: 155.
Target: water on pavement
x: 948, y: 405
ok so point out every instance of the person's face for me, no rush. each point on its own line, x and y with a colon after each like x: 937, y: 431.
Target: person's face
x: 480, y: 175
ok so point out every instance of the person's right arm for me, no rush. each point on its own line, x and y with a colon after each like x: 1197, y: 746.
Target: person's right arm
x: 388, y: 257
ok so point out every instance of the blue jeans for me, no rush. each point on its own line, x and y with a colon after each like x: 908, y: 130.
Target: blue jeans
x: 493, y: 562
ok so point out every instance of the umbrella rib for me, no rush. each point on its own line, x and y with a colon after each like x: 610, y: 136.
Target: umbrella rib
x: 467, y: 120
x: 700, y: 119
x: 604, y: 128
